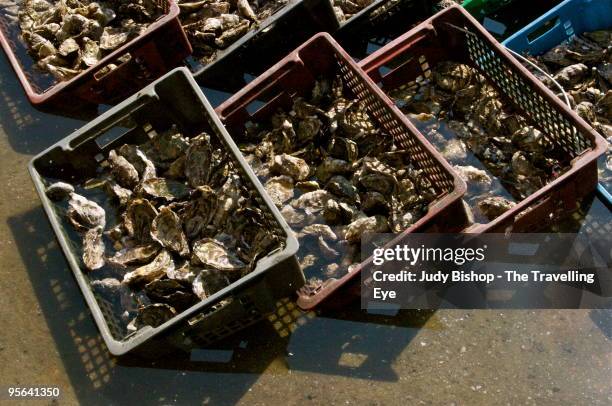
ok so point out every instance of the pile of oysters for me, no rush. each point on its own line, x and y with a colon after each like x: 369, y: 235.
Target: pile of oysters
x: 345, y: 9
x: 501, y: 157
x: 583, y: 67
x: 214, y: 25
x: 179, y: 225
x: 66, y: 37
x: 335, y: 175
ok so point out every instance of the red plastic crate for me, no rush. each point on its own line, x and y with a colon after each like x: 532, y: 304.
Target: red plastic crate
x: 160, y: 49
x: 453, y: 34
x: 295, y: 75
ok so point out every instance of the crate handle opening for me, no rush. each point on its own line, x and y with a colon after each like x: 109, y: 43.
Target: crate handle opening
x: 112, y: 66
x: 111, y: 135
x: 542, y: 29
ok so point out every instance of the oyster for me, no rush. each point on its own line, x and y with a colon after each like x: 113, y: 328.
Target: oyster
x: 312, y: 202
x: 143, y: 165
x: 167, y: 230
x: 147, y: 273
x: 288, y: 165
x: 343, y: 149
x: 164, y: 188
x: 93, y: 249
x: 208, y: 282
x: 198, y: 161
x: 474, y: 176
x: 330, y: 167
x: 154, y: 315
x: 135, y: 255
x: 117, y: 192
x: 167, y: 146
x: 85, y: 214
x: 138, y: 219
x: 343, y: 188
x: 171, y: 292
x: 185, y: 273
x: 214, y: 255
x: 59, y: 191
x: 280, y: 189
x: 107, y: 286
x: 494, y: 206
x: 124, y: 172
x: 374, y: 224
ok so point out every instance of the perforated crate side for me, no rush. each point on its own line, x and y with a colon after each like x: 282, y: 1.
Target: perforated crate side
x: 523, y: 93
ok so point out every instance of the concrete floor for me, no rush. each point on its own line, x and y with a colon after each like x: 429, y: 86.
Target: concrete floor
x: 448, y: 357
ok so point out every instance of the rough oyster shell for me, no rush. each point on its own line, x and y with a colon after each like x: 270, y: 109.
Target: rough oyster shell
x: 85, y: 214
x: 93, y: 249
x: 167, y: 230
x: 161, y: 264
x: 214, y: 255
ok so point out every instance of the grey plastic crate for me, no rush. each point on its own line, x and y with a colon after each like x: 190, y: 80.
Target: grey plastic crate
x: 173, y: 99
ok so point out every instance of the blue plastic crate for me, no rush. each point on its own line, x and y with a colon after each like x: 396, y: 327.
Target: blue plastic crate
x: 561, y: 23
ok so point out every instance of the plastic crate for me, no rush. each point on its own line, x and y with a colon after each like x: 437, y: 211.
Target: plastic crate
x: 161, y: 48
x: 273, y: 38
x: 173, y: 99
x: 560, y: 24
x: 295, y: 75
x: 454, y: 35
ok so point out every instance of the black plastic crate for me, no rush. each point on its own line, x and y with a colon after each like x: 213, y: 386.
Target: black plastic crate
x: 175, y: 99
x: 262, y: 47
x: 380, y: 23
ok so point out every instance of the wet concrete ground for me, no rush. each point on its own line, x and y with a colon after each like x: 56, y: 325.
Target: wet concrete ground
x: 47, y: 336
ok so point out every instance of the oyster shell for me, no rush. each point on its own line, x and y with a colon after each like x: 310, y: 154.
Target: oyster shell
x: 124, y: 172
x: 93, y: 249
x: 138, y: 159
x: 373, y: 224
x: 162, y: 264
x: 280, y: 189
x: 138, y: 218
x: 198, y: 161
x: 154, y: 315
x: 171, y: 292
x: 160, y: 188
x: 185, y: 273
x: 214, y: 255
x: 494, y: 206
x: 85, y: 214
x: 288, y: 165
x: 135, y: 255
x: 343, y: 188
x: 59, y: 191
x: 208, y: 282
x: 117, y: 192
x: 167, y: 230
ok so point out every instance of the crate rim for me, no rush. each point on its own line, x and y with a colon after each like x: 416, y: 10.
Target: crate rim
x: 121, y: 347
x: 39, y: 97
x: 459, y: 188
x: 589, y: 155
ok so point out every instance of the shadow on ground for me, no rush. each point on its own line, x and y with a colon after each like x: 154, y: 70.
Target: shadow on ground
x: 349, y: 343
